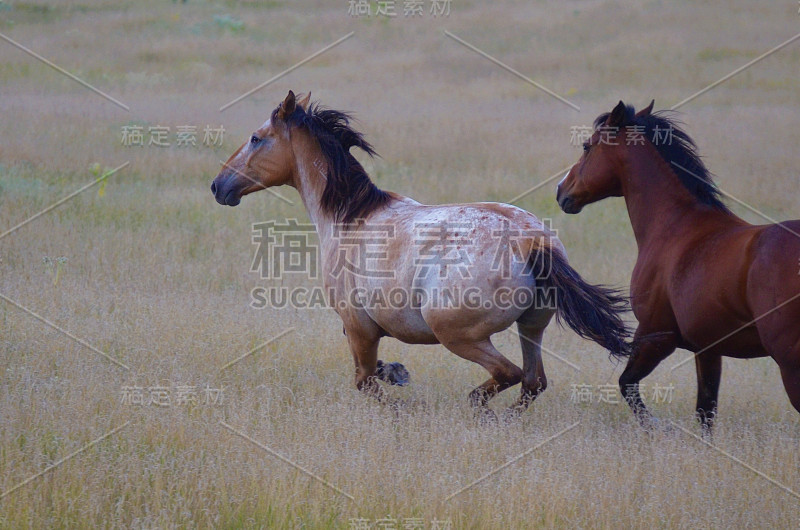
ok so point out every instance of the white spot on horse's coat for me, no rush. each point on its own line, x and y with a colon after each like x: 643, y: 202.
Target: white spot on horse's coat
x: 560, y: 182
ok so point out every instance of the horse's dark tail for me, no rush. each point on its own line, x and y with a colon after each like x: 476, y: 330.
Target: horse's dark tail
x: 593, y: 311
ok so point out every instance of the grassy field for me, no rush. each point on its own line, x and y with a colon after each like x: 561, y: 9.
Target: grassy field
x: 155, y: 276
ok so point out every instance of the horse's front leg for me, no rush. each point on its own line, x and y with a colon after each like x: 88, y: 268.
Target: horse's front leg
x: 648, y: 351
x: 364, y: 347
x: 709, y: 372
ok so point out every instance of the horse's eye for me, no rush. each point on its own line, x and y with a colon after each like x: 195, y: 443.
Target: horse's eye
x: 254, y: 139
x: 586, y: 147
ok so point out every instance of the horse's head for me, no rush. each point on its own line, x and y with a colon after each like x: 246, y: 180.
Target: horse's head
x: 597, y: 174
x: 265, y: 160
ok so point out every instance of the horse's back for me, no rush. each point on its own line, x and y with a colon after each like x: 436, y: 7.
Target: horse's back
x: 485, y: 219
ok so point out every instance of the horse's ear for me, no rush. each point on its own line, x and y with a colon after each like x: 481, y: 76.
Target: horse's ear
x: 287, y: 107
x: 647, y: 110
x: 304, y: 101
x: 617, y: 116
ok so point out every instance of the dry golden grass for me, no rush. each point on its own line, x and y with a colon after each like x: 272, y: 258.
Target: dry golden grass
x: 158, y: 274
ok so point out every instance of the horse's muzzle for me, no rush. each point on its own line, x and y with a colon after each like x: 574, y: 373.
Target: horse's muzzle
x: 568, y: 205
x: 224, y: 193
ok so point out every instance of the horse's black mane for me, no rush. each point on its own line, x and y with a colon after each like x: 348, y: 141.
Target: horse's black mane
x: 349, y: 193
x: 678, y: 149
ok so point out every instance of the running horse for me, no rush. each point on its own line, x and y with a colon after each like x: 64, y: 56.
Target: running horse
x: 704, y: 280
x: 308, y: 147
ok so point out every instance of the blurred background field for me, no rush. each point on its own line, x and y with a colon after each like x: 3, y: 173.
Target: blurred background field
x: 157, y: 275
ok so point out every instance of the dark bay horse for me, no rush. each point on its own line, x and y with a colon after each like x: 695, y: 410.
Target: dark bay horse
x: 705, y: 280
x: 308, y: 148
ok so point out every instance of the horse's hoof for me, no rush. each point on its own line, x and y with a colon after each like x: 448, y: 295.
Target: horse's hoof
x: 706, y: 434
x: 393, y: 373
x: 654, y: 425
x: 486, y: 416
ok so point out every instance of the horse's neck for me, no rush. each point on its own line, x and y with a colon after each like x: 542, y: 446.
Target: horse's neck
x: 310, y: 181
x: 658, y: 203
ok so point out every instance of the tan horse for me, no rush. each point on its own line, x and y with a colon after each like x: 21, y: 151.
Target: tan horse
x: 449, y: 274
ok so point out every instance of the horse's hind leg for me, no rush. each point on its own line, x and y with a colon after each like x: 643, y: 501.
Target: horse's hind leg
x: 534, y: 380
x: 504, y: 373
